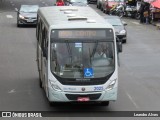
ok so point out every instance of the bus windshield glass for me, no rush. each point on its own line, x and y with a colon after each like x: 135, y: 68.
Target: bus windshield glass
x: 82, y: 59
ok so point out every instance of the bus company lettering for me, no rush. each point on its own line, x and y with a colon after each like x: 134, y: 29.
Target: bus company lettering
x: 82, y: 79
x: 69, y: 89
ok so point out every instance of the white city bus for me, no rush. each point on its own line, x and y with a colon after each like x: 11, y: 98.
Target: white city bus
x: 76, y: 55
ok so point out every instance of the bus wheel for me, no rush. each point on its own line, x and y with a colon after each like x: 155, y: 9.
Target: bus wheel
x: 106, y: 103
x: 124, y: 41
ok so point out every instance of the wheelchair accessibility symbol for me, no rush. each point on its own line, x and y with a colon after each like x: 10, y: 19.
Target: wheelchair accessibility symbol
x: 88, y: 72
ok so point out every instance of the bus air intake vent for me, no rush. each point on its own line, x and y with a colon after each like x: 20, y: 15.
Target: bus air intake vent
x: 77, y: 18
x: 91, y: 21
x: 69, y: 9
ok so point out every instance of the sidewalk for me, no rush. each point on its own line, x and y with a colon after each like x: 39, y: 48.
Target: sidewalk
x: 155, y: 23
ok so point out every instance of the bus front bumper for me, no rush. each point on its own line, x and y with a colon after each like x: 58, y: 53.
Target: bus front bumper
x: 59, y: 96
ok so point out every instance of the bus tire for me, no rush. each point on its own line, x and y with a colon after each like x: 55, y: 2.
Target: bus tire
x: 97, y: 6
x: 124, y: 41
x: 40, y: 83
x: 105, y: 103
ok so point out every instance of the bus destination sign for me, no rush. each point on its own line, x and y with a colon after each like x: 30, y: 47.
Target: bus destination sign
x: 102, y: 34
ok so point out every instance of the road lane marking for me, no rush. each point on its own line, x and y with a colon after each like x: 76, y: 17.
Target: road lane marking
x: 46, y: 4
x: 12, y: 4
x: 9, y: 16
x: 129, y: 96
x: 12, y: 91
x: 135, y: 23
x: 43, y: 2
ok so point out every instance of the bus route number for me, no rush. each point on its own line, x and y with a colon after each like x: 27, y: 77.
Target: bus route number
x: 98, y: 88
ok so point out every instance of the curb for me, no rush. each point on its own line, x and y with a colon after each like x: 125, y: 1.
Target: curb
x: 154, y: 23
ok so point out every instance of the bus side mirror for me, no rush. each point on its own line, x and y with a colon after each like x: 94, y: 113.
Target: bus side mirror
x: 119, y: 44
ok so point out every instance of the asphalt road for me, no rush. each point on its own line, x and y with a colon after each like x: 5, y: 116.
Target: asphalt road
x: 139, y: 71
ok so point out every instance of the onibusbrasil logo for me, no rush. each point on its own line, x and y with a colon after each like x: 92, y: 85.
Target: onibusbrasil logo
x: 21, y: 114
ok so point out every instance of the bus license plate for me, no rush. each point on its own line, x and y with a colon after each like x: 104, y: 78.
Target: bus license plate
x: 83, y: 99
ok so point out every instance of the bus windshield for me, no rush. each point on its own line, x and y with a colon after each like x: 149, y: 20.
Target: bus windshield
x: 75, y: 59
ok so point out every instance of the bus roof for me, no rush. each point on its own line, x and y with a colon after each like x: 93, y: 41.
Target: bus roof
x: 59, y: 17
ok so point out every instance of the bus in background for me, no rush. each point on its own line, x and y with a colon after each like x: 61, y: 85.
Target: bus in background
x: 77, y: 54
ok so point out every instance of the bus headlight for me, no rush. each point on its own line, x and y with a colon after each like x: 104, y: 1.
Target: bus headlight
x: 55, y: 86
x: 122, y: 32
x: 111, y: 85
